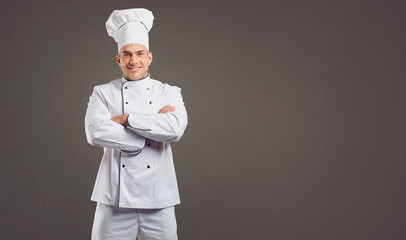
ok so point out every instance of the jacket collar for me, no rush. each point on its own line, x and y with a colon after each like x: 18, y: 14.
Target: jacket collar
x: 145, y: 82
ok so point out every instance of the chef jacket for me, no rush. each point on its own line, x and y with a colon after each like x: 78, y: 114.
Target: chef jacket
x: 137, y: 169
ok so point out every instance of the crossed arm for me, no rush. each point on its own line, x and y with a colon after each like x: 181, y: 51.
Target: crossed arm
x: 123, y: 119
x: 128, y: 132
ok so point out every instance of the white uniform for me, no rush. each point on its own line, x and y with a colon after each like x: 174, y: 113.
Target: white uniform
x: 116, y: 223
x: 137, y: 169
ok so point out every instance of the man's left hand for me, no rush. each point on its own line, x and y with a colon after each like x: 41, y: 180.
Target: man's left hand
x: 121, y: 119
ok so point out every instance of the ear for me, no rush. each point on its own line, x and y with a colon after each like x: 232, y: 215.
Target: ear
x: 150, y: 58
x: 118, y: 60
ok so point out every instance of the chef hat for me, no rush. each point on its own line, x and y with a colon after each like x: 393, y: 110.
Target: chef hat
x: 130, y: 26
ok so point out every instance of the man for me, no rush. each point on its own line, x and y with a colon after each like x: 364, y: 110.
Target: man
x: 134, y: 119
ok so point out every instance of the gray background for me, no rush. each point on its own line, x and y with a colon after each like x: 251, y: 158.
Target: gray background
x: 296, y: 116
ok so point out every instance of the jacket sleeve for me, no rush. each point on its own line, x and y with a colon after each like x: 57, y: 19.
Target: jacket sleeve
x: 103, y: 132
x: 162, y: 127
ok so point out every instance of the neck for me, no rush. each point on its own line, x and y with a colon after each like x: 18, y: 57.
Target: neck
x: 146, y: 76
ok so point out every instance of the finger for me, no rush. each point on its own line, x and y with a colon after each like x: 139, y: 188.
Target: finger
x: 166, y: 108
x: 163, y: 109
x: 170, y: 109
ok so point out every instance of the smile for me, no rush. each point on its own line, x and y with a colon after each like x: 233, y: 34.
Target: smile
x: 134, y: 68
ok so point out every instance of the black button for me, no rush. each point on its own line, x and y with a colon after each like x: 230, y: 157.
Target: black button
x: 126, y: 102
x: 125, y: 87
x: 149, y: 144
x: 123, y: 166
x: 148, y: 166
x: 147, y: 88
x: 150, y: 102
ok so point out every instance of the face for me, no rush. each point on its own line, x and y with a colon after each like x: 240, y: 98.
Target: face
x: 134, y: 60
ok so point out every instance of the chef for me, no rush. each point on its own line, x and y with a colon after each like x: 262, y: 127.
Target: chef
x: 134, y: 118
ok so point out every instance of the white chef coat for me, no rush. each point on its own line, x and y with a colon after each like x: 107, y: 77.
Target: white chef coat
x: 137, y: 169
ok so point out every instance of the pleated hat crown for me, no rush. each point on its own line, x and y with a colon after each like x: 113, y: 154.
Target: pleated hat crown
x: 130, y: 26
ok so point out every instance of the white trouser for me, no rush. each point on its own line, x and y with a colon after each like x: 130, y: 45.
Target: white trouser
x: 114, y: 223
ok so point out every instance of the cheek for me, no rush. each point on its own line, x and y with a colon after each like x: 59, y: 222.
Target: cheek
x: 123, y: 64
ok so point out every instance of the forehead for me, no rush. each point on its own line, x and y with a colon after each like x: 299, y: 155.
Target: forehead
x: 133, y: 47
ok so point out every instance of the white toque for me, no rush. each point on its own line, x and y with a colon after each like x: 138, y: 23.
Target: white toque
x: 130, y: 26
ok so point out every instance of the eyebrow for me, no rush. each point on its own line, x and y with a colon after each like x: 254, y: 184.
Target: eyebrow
x: 135, y: 51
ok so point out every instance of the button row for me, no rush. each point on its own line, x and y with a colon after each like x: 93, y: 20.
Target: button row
x: 148, y: 166
x: 127, y: 88
x: 150, y: 102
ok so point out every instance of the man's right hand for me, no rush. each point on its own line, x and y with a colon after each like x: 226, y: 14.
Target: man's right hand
x: 166, y: 109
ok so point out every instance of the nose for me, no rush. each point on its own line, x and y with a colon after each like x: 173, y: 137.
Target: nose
x: 133, y: 60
